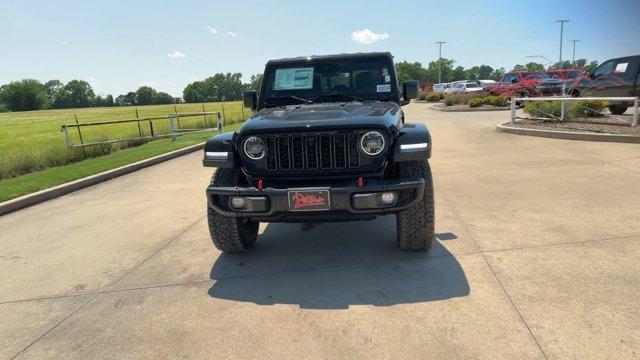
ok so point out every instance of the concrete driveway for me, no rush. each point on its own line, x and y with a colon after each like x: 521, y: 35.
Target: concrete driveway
x: 537, y: 257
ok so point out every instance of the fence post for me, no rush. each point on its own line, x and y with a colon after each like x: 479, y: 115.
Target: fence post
x: 634, y: 122
x: 223, y: 114
x: 151, y: 128
x: 220, y: 123
x: 84, y: 152
x: 204, y: 116
x: 65, y: 130
x: 177, y: 118
x: 139, y: 128
x: 562, y: 110
x: 172, y: 126
x: 513, y: 110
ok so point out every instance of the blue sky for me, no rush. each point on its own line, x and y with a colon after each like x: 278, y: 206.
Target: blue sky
x: 118, y: 46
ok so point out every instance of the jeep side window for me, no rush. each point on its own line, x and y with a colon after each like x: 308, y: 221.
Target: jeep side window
x: 604, y: 69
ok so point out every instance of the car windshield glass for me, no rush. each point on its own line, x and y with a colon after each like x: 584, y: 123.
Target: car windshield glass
x: 538, y: 75
x: 574, y: 74
x: 473, y: 85
x: 330, y: 81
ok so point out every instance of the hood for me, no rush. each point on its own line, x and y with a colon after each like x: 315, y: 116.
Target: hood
x: 323, y: 116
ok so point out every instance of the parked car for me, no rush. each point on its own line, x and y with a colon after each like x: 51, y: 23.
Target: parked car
x: 517, y: 83
x: 328, y: 142
x: 484, y: 83
x: 441, y: 88
x: 466, y: 87
x: 449, y: 90
x: 618, y: 77
x: 558, y: 82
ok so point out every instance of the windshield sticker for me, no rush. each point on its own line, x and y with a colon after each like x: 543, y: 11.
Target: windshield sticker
x: 387, y: 78
x: 385, y: 71
x: 294, y: 79
x: 383, y: 88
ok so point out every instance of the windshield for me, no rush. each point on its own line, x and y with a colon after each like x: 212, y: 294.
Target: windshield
x: 329, y: 80
x: 472, y: 85
x: 537, y: 75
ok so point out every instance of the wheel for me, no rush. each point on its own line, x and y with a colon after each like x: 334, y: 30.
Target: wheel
x: 415, y: 226
x: 230, y: 234
x: 618, y: 109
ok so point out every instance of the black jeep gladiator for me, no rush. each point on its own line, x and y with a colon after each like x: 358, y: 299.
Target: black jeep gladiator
x: 328, y: 142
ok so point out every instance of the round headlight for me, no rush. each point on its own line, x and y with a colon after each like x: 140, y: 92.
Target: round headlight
x: 372, y: 143
x: 254, y: 148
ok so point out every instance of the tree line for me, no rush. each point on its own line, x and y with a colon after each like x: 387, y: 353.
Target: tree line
x: 430, y: 74
x: 32, y: 94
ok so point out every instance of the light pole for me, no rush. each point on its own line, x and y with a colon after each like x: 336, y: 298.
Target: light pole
x: 440, y: 60
x: 561, y: 31
x: 573, y: 58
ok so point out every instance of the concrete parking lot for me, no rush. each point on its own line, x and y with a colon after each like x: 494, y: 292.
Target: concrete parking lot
x: 536, y: 257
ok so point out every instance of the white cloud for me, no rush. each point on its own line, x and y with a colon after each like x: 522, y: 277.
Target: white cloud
x: 63, y: 42
x: 366, y: 36
x: 232, y: 34
x: 176, y: 55
x: 211, y: 29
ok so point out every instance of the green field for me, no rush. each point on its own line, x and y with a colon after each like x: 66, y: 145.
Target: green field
x: 34, y: 156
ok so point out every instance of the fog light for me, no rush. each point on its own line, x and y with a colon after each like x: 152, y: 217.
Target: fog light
x: 237, y: 202
x: 388, y: 198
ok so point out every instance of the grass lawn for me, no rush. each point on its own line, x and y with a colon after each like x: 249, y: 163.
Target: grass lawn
x: 38, y: 180
x: 32, y: 140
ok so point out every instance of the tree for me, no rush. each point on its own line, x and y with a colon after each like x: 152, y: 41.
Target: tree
x: 592, y: 66
x: 216, y: 88
x: 163, y: 98
x: 458, y: 74
x: 145, y: 95
x: 24, y: 95
x: 53, y: 88
x: 433, y: 68
x: 108, y: 101
x: 581, y: 63
x: 255, y: 82
x: 75, y: 94
x: 497, y: 74
x: 410, y: 71
x: 532, y: 66
x: 566, y: 64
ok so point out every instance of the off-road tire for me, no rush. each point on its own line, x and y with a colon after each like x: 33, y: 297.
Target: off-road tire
x: 415, y: 226
x: 618, y: 109
x: 230, y: 234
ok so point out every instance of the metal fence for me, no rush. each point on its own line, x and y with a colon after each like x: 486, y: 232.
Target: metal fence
x: 565, y: 100
x: 174, y: 125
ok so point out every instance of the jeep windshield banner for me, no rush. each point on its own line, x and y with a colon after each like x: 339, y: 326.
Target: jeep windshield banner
x: 294, y: 79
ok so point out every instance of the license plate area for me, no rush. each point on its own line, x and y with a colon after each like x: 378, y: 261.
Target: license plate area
x: 309, y: 200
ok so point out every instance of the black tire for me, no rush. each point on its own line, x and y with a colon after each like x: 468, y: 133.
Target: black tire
x: 415, y: 226
x: 618, y: 109
x: 230, y: 234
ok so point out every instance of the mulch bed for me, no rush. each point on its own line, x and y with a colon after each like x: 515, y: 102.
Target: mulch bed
x: 443, y: 107
x: 604, y: 125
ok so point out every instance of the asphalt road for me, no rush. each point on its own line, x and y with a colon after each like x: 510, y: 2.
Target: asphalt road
x: 537, y: 256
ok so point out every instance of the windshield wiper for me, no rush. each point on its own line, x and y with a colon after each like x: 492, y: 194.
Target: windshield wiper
x: 336, y: 94
x: 290, y: 97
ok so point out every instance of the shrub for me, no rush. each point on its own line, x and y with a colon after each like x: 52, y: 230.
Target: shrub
x: 3, y: 108
x: 431, y: 97
x: 496, y: 101
x: 543, y: 109
x: 422, y: 96
x: 451, y: 99
x: 587, y: 108
x: 476, y: 102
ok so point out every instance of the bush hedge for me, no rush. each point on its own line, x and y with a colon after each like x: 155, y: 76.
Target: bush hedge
x: 576, y: 109
x: 475, y: 100
x: 587, y: 108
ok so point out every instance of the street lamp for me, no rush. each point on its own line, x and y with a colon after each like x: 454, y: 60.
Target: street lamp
x: 440, y: 60
x: 573, y: 58
x: 561, y: 31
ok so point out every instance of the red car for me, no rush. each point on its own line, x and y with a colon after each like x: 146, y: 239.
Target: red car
x: 517, y: 83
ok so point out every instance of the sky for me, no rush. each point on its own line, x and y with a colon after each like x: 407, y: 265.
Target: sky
x: 118, y: 46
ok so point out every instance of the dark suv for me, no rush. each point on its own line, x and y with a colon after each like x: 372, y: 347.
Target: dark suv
x: 328, y: 142
x: 613, y: 78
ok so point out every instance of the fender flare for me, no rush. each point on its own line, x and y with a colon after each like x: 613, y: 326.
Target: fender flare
x: 219, y: 151
x: 412, y: 144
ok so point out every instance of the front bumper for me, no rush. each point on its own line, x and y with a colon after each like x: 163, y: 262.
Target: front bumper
x: 341, y: 200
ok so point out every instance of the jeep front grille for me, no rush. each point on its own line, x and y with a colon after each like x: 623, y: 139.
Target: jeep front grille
x: 306, y: 152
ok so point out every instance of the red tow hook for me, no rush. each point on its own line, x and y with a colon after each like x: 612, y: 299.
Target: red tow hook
x: 259, y: 184
x: 360, y: 182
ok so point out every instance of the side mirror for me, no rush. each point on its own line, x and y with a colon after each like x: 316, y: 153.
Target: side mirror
x: 250, y: 99
x: 410, y: 89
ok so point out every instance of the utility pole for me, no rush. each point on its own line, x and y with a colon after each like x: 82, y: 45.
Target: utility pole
x: 573, y: 58
x: 440, y: 60
x: 561, y: 33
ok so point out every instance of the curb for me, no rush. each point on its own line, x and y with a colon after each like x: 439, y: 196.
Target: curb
x: 570, y: 135
x: 66, y: 188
